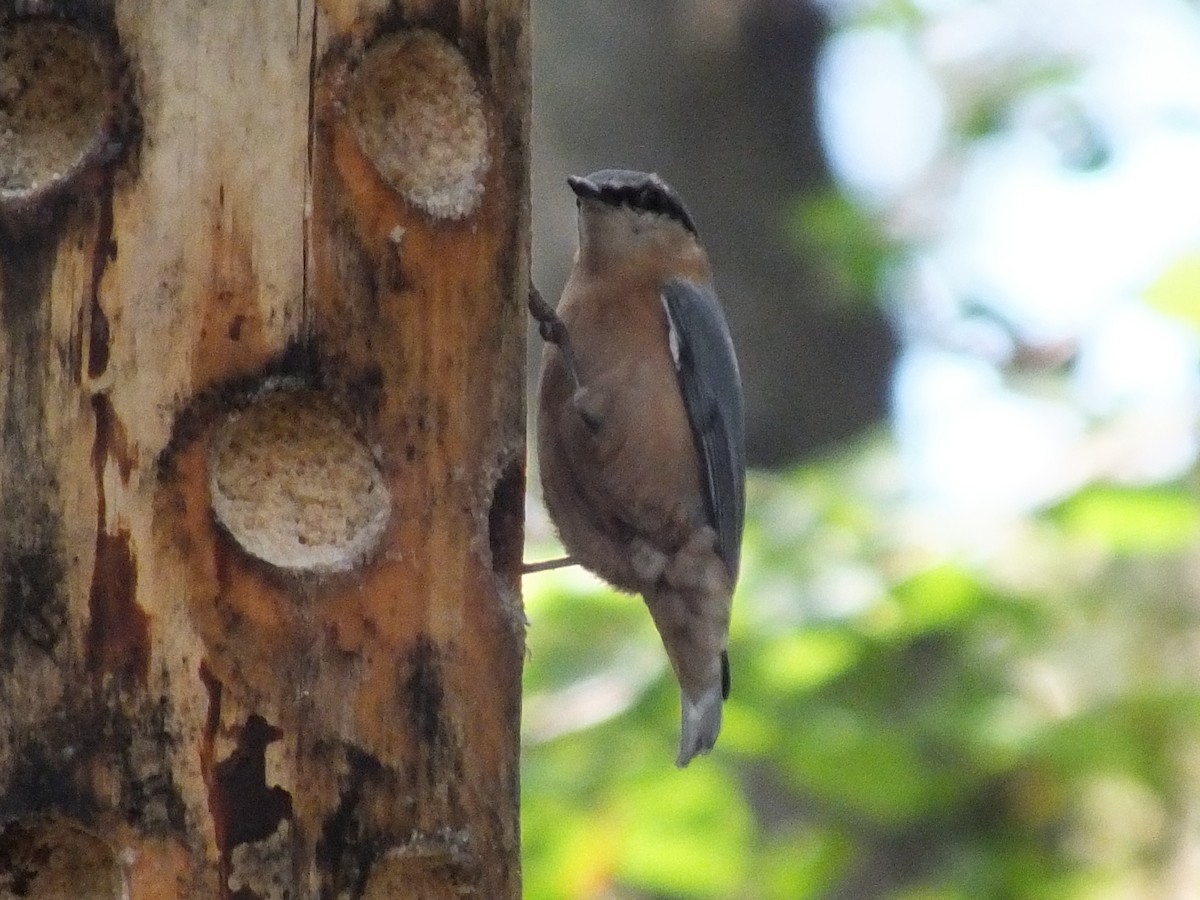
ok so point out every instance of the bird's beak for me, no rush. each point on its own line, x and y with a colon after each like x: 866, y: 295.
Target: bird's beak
x: 582, y: 187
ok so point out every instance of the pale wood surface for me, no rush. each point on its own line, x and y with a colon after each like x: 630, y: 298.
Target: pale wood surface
x: 219, y: 724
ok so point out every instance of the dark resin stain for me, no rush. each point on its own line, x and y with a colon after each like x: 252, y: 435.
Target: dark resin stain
x: 364, y: 393
x: 437, y: 764
x: 143, y: 743
x: 118, y: 635
x: 53, y: 760
x: 105, y: 251
x: 347, y: 847
x: 243, y: 808
x: 235, y: 327
x: 42, y: 775
x: 212, y: 723
x: 252, y: 810
x: 98, y: 337
x: 111, y: 439
x: 32, y: 604
x: 31, y: 554
x: 423, y: 691
x: 118, y: 640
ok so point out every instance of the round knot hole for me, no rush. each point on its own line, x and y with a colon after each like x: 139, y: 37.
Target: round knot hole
x: 418, y: 114
x: 58, y: 96
x: 294, y: 485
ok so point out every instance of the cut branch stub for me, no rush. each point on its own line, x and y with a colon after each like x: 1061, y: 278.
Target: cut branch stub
x: 60, y: 108
x: 295, y: 487
x: 418, y: 114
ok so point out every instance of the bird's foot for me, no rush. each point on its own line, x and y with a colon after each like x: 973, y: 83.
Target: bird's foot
x: 554, y: 331
x: 550, y: 326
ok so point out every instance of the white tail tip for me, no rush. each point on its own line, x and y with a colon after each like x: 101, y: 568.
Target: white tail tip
x: 701, y: 724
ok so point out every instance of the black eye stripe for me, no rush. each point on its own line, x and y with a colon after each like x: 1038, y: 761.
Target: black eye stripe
x: 646, y: 198
x: 636, y: 190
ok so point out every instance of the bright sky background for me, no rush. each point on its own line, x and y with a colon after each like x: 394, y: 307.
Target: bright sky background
x: 1037, y: 240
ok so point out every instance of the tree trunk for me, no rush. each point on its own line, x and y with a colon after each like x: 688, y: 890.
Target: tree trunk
x: 262, y: 280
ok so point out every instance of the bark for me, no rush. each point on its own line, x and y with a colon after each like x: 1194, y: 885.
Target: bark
x: 262, y: 281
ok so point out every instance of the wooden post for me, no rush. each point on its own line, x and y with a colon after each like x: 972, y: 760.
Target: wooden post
x: 262, y: 281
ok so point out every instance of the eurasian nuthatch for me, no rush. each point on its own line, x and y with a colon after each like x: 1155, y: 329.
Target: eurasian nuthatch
x: 640, y: 427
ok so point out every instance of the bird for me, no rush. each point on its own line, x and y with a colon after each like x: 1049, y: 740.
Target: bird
x: 641, y: 428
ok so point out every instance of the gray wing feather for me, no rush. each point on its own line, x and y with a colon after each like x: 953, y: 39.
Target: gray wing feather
x: 712, y: 394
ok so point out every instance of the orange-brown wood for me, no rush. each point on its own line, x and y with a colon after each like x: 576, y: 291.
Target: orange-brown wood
x: 179, y: 709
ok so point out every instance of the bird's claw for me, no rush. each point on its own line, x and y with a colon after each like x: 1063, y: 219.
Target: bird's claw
x: 554, y: 331
x: 540, y: 309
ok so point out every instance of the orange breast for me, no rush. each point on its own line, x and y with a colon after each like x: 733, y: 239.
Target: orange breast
x: 641, y: 467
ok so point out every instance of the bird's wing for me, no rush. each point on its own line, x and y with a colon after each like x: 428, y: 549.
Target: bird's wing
x: 712, y: 393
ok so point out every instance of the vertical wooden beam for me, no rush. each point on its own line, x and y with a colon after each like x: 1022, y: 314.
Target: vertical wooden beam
x: 262, y: 447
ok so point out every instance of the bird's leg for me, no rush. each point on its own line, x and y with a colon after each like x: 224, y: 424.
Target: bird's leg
x: 554, y: 331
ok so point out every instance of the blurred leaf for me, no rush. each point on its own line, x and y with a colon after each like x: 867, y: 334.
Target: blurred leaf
x: 930, y: 600
x: 803, y: 863
x: 801, y: 660
x: 888, y: 13
x: 988, y: 109
x: 576, y: 858
x: 1133, y: 736
x: 685, y: 832
x: 849, y: 242
x: 1176, y: 293
x: 575, y: 634
x: 1129, y: 520
x: 927, y: 893
x: 864, y: 767
x: 748, y: 727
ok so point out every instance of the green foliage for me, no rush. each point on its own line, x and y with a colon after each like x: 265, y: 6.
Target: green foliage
x: 1164, y: 519
x: 902, y: 724
x: 850, y: 243
x: 1177, y: 291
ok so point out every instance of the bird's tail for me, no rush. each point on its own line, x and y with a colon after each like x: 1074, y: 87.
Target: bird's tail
x: 701, y: 722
